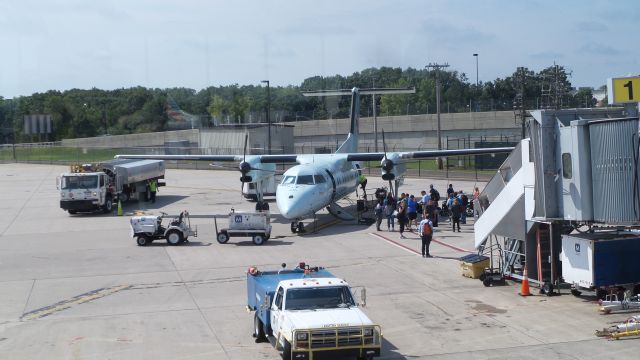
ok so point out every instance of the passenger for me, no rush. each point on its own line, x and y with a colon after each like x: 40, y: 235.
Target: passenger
x: 422, y: 202
x: 412, y: 212
x: 389, y: 208
x: 476, y: 193
x: 402, y: 217
x: 464, y: 202
x: 455, y: 213
x: 450, y: 190
x: 432, y: 209
x: 435, y: 195
x: 378, y: 210
x: 426, y: 234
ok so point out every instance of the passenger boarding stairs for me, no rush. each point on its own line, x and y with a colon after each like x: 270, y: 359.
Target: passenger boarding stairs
x: 502, y: 209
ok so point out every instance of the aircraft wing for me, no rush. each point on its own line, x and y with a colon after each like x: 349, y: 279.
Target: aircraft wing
x: 427, y: 153
x: 293, y: 158
x: 265, y: 159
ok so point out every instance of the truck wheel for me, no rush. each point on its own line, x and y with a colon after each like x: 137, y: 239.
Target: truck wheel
x: 142, y: 240
x: 258, y: 329
x: 222, y: 238
x: 124, y: 197
x: 174, y: 237
x: 286, y: 351
x: 258, y: 239
x: 108, y: 205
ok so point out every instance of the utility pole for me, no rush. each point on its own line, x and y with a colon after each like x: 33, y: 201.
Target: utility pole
x: 477, y: 88
x: 437, y: 68
x: 268, y: 117
x: 375, y: 120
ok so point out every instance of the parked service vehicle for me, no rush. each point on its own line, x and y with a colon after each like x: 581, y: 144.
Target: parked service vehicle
x: 249, y: 189
x: 310, y: 312
x: 256, y: 225
x: 147, y: 228
x: 91, y: 187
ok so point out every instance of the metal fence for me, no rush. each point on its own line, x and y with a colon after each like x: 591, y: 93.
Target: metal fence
x: 455, y: 167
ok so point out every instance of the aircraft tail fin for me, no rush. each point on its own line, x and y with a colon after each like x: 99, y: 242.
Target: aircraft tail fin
x: 350, y: 145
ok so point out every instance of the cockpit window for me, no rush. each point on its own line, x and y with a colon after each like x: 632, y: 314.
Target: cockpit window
x: 319, y: 179
x: 288, y: 180
x: 305, y: 180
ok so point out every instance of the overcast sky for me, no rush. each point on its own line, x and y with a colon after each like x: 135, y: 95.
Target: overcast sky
x: 64, y: 44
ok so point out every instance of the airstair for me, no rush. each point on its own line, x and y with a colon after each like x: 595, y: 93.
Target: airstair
x: 502, y: 207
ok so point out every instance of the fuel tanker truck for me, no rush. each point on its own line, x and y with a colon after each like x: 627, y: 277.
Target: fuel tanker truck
x: 95, y: 187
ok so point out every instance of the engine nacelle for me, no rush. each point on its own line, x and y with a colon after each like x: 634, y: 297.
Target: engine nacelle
x: 253, y: 170
x: 392, y: 167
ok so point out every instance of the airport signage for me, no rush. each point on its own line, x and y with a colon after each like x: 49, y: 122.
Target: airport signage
x: 623, y: 90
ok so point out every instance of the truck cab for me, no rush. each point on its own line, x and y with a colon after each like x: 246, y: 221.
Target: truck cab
x: 310, y: 311
x: 85, y: 191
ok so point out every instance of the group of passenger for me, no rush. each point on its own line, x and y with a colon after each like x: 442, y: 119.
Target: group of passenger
x: 407, y: 208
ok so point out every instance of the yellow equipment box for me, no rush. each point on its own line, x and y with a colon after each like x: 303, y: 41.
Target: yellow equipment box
x: 473, y: 265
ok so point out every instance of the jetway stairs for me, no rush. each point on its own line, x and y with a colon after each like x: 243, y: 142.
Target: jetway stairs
x: 504, y: 213
x: 501, y: 205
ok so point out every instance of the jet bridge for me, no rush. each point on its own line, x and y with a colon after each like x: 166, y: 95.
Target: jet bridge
x: 578, y: 167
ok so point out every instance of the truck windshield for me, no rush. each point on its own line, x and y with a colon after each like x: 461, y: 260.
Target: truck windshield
x: 79, y: 182
x: 319, y: 298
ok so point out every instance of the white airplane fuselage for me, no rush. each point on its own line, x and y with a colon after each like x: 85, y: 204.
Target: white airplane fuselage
x: 316, y: 183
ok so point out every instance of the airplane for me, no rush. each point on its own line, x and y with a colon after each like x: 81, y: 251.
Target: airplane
x: 319, y: 181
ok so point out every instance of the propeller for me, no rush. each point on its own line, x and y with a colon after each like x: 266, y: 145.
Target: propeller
x: 387, y: 165
x: 245, y: 167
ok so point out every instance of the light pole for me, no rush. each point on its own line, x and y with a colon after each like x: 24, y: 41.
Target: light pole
x: 477, y: 89
x: 268, y: 116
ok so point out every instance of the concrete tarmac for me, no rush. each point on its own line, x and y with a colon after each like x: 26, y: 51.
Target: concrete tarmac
x: 78, y: 287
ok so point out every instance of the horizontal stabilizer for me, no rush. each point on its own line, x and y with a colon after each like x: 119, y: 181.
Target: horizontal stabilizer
x: 376, y: 91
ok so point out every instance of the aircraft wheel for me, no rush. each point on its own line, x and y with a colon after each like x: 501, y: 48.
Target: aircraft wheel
x: 294, y: 229
x: 301, y: 227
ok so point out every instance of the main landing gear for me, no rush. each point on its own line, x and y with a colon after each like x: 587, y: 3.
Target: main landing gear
x: 297, y: 228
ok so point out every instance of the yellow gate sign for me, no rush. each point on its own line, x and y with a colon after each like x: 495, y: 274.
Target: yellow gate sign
x: 623, y: 90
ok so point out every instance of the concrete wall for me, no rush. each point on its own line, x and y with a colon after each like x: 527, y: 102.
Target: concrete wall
x: 407, y: 132
x: 410, y: 132
x: 156, y: 139
x: 231, y: 140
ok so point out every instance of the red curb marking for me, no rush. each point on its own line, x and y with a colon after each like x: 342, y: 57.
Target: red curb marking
x: 415, y: 251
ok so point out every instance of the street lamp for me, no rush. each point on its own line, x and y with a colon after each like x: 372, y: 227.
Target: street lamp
x: 268, y: 117
x: 477, y: 89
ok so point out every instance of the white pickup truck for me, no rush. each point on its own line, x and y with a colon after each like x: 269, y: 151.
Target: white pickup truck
x: 309, y: 311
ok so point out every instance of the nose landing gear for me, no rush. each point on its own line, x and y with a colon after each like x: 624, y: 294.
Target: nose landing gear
x: 297, y: 228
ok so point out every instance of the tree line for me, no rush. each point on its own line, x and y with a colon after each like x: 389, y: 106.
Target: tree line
x: 93, y: 112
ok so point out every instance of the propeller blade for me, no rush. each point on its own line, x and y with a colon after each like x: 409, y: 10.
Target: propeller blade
x: 384, y: 145
x: 244, y: 152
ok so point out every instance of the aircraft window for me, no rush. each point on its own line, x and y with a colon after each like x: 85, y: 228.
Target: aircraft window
x: 319, y: 179
x: 305, y: 180
x: 289, y: 180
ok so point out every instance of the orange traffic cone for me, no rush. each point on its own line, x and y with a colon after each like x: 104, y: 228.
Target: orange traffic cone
x: 524, y: 288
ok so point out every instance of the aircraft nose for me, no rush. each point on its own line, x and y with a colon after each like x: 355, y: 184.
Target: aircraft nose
x: 291, y: 204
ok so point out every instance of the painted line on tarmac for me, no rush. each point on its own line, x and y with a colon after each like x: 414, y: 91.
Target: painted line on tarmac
x: 451, y: 246
x: 415, y: 251
x: 325, y: 225
x: 76, y: 300
x: 393, y: 242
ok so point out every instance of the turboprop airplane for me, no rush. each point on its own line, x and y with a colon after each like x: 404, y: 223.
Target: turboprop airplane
x: 319, y: 181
